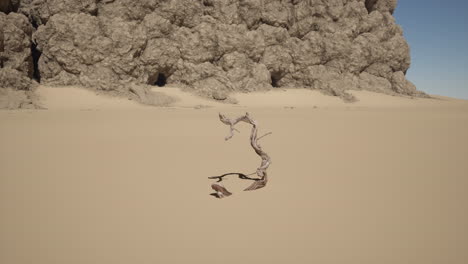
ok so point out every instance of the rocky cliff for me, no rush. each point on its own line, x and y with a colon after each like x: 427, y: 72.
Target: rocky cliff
x: 210, y: 46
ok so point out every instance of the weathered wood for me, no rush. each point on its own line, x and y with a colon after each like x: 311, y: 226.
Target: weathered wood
x: 261, y: 172
x: 221, y: 191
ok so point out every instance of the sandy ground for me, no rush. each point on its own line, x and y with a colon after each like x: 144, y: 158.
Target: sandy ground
x: 104, y: 180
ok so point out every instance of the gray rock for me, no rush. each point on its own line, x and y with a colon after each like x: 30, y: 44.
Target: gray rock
x: 14, y: 79
x: 16, y: 64
x: 145, y: 96
x: 15, y: 43
x: 16, y: 90
x: 40, y: 11
x: 218, y: 95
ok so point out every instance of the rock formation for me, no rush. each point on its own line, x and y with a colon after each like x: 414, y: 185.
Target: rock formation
x: 16, y: 61
x: 211, y: 46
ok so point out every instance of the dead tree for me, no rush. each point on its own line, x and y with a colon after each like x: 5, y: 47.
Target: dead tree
x: 261, y: 172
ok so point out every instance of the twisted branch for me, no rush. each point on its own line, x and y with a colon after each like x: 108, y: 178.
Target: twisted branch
x: 261, y: 172
x: 241, y: 176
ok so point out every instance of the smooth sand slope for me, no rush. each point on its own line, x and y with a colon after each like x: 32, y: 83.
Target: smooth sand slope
x: 97, y: 180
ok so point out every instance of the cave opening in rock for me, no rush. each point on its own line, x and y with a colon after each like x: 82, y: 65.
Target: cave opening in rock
x: 274, y: 81
x: 160, y: 80
x: 275, y: 78
x: 36, y: 54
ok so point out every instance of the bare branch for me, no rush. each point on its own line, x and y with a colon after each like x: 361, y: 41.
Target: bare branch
x: 261, y: 172
x: 269, y: 133
x: 240, y: 175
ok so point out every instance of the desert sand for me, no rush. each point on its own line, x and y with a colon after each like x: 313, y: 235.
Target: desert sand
x: 95, y: 179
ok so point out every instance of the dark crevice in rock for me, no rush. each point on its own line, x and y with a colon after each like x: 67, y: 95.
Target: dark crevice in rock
x: 275, y: 78
x: 2, y: 56
x: 269, y: 23
x: 208, y: 3
x: 9, y: 6
x: 315, y: 27
x: 274, y: 82
x: 34, y: 23
x: 318, y: 15
x: 94, y: 12
x: 36, y: 54
x: 159, y: 79
x: 370, y: 5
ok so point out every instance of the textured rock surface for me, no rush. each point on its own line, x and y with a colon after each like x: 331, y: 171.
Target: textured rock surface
x: 16, y: 64
x: 15, y: 43
x: 215, y: 47
x: 7, y: 6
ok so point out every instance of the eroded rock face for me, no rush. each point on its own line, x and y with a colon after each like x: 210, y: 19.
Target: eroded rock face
x: 218, y: 46
x: 16, y: 64
x: 15, y: 43
x: 7, y: 6
x: 16, y: 90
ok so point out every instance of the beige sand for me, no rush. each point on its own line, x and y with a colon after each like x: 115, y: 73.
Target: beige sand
x: 103, y: 180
